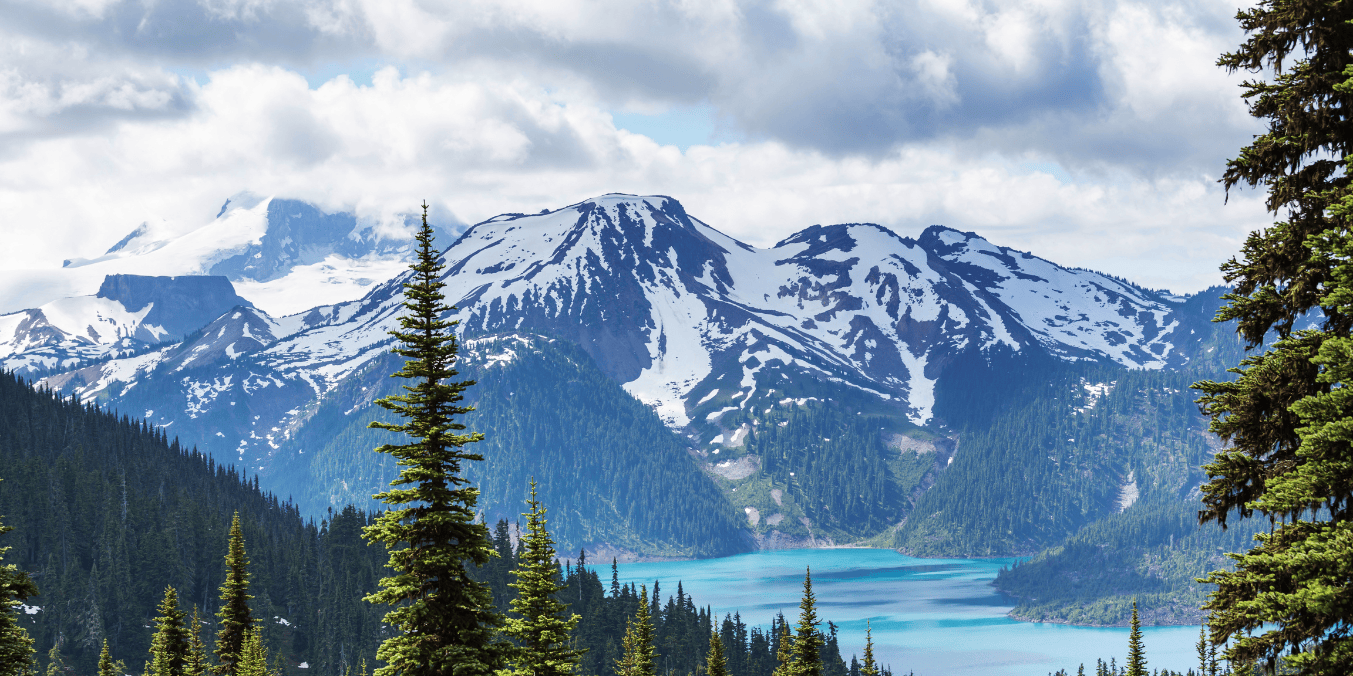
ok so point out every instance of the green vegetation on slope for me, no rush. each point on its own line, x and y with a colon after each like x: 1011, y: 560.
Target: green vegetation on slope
x: 840, y: 468
x: 1151, y: 552
x: 1046, y: 448
x: 619, y: 477
x: 107, y: 511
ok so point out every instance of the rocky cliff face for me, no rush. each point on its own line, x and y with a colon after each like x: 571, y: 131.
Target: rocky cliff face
x: 175, y: 305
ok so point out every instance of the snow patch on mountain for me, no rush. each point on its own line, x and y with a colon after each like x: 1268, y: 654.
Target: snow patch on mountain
x: 336, y: 278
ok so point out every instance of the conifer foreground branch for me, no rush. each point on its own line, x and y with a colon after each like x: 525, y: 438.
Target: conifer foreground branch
x: 445, y: 619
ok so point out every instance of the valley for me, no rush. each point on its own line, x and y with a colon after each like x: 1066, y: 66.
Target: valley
x: 690, y: 396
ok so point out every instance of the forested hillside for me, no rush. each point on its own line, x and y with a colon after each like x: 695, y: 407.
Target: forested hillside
x: 1045, y: 448
x: 836, y: 469
x: 107, y: 511
x: 621, y: 480
x: 1153, y: 552
x: 1091, y: 469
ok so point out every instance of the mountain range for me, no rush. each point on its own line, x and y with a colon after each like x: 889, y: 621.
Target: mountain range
x: 730, y: 350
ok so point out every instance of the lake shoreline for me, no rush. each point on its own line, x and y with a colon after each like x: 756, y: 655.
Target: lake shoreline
x: 1154, y: 617
x: 931, y: 616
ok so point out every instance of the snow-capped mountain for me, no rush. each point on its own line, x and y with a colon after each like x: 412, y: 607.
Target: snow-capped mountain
x: 676, y: 311
x: 128, y: 314
x: 283, y: 255
x: 663, y: 301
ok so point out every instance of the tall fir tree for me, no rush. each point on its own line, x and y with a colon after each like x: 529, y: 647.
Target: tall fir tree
x: 170, y: 646
x: 445, y: 619
x: 1285, y: 416
x: 715, y: 662
x: 869, y: 667
x: 784, y: 653
x: 1136, y: 659
x: 1213, y: 667
x: 807, y: 639
x: 540, y: 629
x: 235, y: 618
x: 197, y: 652
x: 639, y: 656
x: 1202, y: 646
x: 16, y: 646
x: 106, y: 661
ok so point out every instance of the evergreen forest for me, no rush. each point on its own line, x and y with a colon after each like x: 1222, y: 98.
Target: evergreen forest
x: 681, y: 628
x: 543, y: 407
x: 107, y: 511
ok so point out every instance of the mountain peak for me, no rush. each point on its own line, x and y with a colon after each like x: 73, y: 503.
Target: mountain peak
x: 137, y: 291
x: 944, y: 240
x: 178, y: 305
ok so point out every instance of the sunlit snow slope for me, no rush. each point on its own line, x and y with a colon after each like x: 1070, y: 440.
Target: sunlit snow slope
x: 673, y: 309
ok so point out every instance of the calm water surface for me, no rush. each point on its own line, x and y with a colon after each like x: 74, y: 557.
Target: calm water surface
x: 936, y: 617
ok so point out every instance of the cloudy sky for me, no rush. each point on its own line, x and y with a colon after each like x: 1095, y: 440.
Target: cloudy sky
x: 1090, y: 132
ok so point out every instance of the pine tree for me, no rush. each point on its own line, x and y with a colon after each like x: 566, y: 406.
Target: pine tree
x: 253, y: 655
x: 639, y: 657
x: 234, y: 616
x: 1136, y: 661
x: 106, y: 661
x: 715, y: 662
x: 16, y: 646
x: 197, y: 652
x: 169, y: 647
x: 445, y: 619
x: 1202, y: 646
x: 784, y: 655
x: 1284, y: 417
x: 541, y: 631
x: 807, y: 639
x: 56, y: 666
x: 1212, y: 666
x: 869, y: 668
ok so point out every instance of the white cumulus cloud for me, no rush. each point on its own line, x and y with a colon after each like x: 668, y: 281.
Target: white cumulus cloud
x: 1091, y: 133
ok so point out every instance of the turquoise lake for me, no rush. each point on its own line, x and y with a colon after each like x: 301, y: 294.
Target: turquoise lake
x: 937, y: 617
